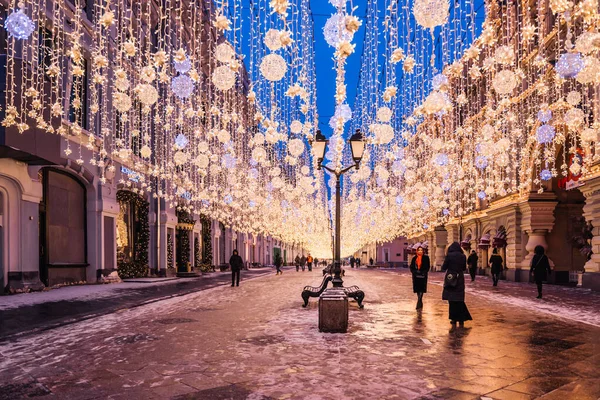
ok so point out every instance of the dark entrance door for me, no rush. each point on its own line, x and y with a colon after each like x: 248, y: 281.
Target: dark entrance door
x: 63, y: 234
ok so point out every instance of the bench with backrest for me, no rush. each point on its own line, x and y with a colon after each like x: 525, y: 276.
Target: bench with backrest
x: 315, y: 291
x: 355, y: 293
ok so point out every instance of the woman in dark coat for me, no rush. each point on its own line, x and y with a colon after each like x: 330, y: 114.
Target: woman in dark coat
x: 419, y: 266
x: 278, y: 264
x: 540, y: 268
x: 454, y: 285
x: 496, y: 263
x: 472, y: 263
x: 236, y: 263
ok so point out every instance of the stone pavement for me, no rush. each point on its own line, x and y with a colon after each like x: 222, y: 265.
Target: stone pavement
x: 257, y: 342
x: 25, y: 313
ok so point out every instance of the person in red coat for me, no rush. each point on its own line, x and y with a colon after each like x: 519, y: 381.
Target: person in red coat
x: 419, y: 266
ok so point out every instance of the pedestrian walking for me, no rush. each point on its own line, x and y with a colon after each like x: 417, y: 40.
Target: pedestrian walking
x: 496, y: 263
x: 540, y: 268
x: 352, y: 261
x: 236, y: 263
x: 297, y: 262
x: 472, y: 263
x: 309, y: 261
x: 302, y: 262
x: 357, y: 262
x: 316, y: 263
x: 278, y: 264
x: 454, y: 285
x: 371, y: 261
x: 419, y: 266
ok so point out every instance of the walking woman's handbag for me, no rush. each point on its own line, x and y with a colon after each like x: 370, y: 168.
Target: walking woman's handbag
x: 450, y: 280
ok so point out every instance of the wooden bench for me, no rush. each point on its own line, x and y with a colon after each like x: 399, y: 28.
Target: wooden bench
x: 312, y: 291
x: 355, y: 293
x: 329, y: 270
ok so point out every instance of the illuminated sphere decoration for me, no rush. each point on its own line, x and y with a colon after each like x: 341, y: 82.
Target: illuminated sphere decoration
x: 440, y: 81
x: 569, y: 65
x: 183, y: 66
x: 589, y: 135
x: 481, y: 195
x: 590, y: 72
x: 431, y: 13
x: 122, y: 102
x: 181, y: 141
x: 335, y: 30
x: 296, y: 147
x: 344, y: 111
x: 223, y: 78
x: 481, y: 162
x: 182, y: 86
x: 145, y: 151
x: 19, y: 25
x: 574, y: 118
x: 545, y: 134
x: 384, y: 114
x: 441, y: 159
x: 273, y: 39
x: 505, y: 82
x: 273, y: 67
x: 228, y: 161
x: 545, y: 175
x: 544, y: 115
x: 147, y: 94
x: 296, y: 126
x: 224, y: 52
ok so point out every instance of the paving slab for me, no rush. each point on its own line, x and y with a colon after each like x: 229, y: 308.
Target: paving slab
x: 257, y: 342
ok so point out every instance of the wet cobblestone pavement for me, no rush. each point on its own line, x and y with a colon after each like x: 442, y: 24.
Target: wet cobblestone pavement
x: 257, y: 342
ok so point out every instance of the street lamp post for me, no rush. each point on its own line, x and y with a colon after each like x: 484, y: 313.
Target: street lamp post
x: 357, y: 146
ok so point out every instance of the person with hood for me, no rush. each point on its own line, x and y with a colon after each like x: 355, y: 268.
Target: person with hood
x: 454, y: 285
x: 540, y: 268
x: 278, y: 264
x: 297, y: 262
x: 236, y: 263
x: 472, y: 262
x: 496, y: 263
x: 419, y: 267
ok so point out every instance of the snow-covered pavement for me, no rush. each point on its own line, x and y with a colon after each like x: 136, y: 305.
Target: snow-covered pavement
x: 257, y: 342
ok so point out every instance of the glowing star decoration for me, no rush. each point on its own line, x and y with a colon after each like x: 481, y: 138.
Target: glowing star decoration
x: 569, y: 65
x: 182, y: 86
x: 182, y: 66
x: 544, y: 115
x: 431, y: 13
x: 505, y: 82
x: 19, y: 25
x: 545, y: 134
x: 273, y: 67
x: 442, y: 159
x: 145, y: 151
x: 545, y: 175
x: 147, y: 94
x: 335, y: 30
x: 223, y: 78
x: 181, y: 141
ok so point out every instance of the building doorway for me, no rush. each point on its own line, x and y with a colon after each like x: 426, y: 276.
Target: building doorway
x: 63, y: 233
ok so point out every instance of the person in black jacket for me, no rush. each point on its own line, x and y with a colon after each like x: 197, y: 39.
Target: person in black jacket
x: 496, y: 263
x: 278, y: 264
x: 540, y: 268
x: 454, y: 285
x: 236, y: 263
x: 419, y: 266
x: 472, y: 263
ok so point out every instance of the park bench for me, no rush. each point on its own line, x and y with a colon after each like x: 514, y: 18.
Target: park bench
x: 355, y: 293
x: 329, y: 270
x: 315, y: 291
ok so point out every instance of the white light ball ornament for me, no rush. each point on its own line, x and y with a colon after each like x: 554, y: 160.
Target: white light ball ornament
x: 183, y: 66
x: 147, y: 94
x: 273, y: 39
x: 505, y: 82
x: 296, y: 126
x: 224, y: 52
x: 569, y: 65
x: 384, y: 114
x: 431, y: 13
x: 223, y: 78
x: 273, y: 67
x: 335, y: 30
x: 19, y: 25
x: 296, y: 147
x: 182, y: 86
